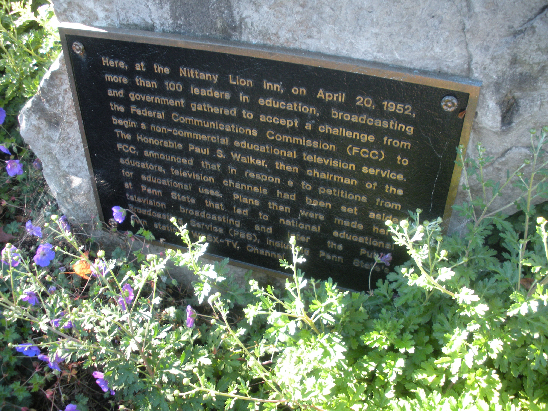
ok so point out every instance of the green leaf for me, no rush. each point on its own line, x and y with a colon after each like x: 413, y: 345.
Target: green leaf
x: 12, y: 228
x: 19, y: 391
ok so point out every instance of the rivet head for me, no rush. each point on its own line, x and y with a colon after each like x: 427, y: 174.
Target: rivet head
x: 449, y: 103
x: 78, y: 48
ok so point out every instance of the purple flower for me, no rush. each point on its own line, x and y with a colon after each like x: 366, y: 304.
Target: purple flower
x: 30, y: 297
x: 56, y: 322
x: 44, y: 255
x: 98, y: 374
x: 2, y: 115
x: 52, y: 289
x: 119, y: 214
x: 99, y: 268
x: 11, y: 256
x: 385, y: 258
x: 33, y: 230
x: 64, y: 224
x: 37, y: 164
x: 4, y: 149
x: 190, y: 316
x: 102, y: 382
x: 126, y: 297
x: 14, y: 168
x: 54, y: 365
x: 71, y: 407
x: 28, y: 349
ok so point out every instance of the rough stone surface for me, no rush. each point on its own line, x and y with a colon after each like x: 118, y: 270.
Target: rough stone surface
x: 499, y: 42
x: 49, y: 125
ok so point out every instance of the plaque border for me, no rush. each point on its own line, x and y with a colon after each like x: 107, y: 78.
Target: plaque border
x: 301, y: 57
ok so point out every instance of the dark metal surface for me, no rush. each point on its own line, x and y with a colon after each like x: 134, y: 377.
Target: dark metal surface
x: 249, y: 146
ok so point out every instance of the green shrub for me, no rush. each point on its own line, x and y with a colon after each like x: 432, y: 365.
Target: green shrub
x: 29, y: 43
x: 455, y: 328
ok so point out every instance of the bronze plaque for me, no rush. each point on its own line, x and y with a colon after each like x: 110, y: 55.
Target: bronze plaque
x: 249, y: 146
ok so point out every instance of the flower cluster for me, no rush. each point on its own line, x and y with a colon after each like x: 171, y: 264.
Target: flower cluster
x: 44, y: 254
x: 32, y: 351
x: 102, y: 382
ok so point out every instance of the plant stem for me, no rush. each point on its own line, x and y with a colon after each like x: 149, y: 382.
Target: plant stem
x: 225, y: 394
x: 528, y: 208
x: 264, y: 373
x: 23, y: 315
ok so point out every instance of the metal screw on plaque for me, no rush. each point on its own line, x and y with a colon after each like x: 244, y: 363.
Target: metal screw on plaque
x: 449, y: 103
x: 78, y: 48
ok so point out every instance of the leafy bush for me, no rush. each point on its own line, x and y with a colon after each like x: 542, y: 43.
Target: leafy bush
x: 29, y: 43
x: 458, y: 327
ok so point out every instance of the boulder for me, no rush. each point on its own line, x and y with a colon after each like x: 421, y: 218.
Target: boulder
x: 499, y: 43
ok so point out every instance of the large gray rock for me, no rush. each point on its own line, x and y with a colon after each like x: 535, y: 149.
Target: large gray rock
x: 503, y: 44
x: 49, y: 125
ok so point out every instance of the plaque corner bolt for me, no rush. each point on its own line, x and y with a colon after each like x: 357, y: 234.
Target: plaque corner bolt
x: 78, y: 48
x: 449, y: 103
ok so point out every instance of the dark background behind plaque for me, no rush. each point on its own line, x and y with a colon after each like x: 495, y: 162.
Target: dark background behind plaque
x: 427, y: 177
